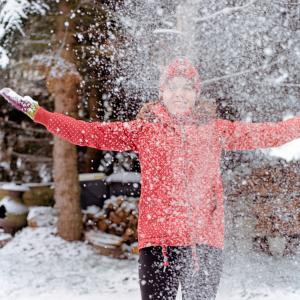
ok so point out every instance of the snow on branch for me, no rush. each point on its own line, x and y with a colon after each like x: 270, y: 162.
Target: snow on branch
x: 241, y: 72
x: 226, y: 10
x: 3, y: 57
x: 167, y: 31
x: 12, y: 15
x: 284, y: 84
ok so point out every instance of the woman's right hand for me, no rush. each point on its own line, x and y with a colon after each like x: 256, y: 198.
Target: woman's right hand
x: 25, y: 104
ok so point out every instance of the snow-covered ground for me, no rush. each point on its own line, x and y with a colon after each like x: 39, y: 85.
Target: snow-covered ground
x: 38, y: 265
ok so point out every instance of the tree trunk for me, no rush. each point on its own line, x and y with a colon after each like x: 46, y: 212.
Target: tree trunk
x: 64, y: 87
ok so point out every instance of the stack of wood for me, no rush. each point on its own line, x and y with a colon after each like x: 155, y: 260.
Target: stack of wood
x: 118, y: 217
x: 273, y: 193
x: 105, y: 243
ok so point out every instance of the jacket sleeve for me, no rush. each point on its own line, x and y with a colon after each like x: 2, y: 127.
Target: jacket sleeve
x: 114, y: 136
x: 250, y: 136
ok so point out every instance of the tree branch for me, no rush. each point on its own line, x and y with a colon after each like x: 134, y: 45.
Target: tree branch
x: 239, y: 73
x: 17, y: 126
x: 226, y: 10
x: 32, y: 139
x: 32, y: 158
x: 283, y: 84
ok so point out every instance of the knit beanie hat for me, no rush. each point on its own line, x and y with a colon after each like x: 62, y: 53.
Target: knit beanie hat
x: 180, y: 67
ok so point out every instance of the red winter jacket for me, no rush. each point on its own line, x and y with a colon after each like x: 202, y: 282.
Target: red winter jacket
x: 181, y: 199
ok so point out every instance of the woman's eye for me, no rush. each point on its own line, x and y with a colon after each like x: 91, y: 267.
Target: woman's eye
x: 185, y: 87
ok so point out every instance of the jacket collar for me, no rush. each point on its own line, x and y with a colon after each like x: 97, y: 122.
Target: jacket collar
x: 160, y: 113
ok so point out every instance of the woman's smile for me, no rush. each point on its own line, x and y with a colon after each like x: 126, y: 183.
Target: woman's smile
x: 178, y: 95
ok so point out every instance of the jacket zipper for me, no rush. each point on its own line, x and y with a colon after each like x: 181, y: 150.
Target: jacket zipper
x: 191, y: 213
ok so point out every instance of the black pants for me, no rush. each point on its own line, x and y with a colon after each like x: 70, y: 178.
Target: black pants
x: 157, y: 282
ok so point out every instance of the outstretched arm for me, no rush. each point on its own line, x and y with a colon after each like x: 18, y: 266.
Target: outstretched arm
x: 115, y: 136
x: 250, y: 136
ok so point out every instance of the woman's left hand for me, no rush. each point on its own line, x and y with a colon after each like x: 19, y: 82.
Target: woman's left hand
x: 25, y: 104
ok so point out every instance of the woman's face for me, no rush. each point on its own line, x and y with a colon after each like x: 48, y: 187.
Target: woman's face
x: 179, y: 96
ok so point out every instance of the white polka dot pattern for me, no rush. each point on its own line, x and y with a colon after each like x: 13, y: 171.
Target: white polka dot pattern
x: 114, y: 136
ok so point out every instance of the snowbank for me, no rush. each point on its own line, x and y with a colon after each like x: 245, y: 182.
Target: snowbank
x: 41, y: 216
x: 289, y: 151
x: 38, y: 265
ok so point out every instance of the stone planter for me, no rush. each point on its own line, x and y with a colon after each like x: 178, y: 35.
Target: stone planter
x: 16, y: 215
x: 16, y: 212
x: 39, y: 194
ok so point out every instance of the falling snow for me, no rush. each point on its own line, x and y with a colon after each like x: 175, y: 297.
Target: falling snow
x: 193, y: 170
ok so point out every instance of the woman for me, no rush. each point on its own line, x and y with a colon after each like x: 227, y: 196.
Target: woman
x: 181, y: 212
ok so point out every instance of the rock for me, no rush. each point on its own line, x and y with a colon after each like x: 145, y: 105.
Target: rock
x: 277, y: 245
x: 105, y: 243
x: 41, y: 216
